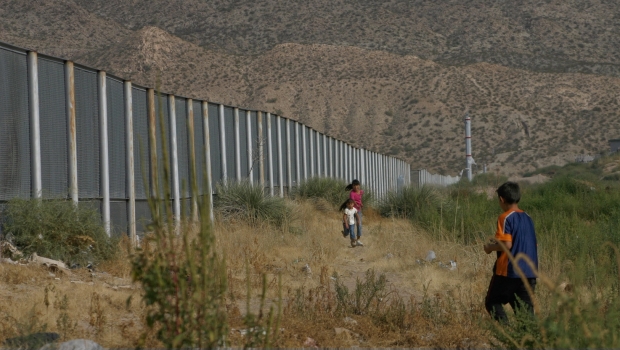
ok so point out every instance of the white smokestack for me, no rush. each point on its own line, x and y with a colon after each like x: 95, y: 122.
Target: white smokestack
x: 468, y: 158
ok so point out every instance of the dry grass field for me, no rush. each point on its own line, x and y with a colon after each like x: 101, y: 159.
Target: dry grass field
x: 105, y: 305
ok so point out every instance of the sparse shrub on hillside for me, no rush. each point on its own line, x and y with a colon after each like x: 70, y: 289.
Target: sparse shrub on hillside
x: 58, y: 229
x: 245, y: 201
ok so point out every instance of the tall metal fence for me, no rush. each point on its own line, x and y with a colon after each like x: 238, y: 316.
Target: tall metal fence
x: 69, y: 131
x: 423, y: 177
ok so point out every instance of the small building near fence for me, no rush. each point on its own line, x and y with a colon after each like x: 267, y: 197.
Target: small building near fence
x: 584, y: 158
x: 614, y: 145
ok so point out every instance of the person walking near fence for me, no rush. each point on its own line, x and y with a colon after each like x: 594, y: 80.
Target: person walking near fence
x: 356, y: 193
x: 349, y: 221
x: 516, y: 236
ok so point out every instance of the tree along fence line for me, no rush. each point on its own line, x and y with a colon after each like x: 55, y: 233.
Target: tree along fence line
x: 69, y: 131
x: 423, y: 177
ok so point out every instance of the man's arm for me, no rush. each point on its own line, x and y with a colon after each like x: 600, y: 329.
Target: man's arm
x: 496, y: 246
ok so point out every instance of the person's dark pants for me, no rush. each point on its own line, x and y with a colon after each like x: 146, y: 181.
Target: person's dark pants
x: 504, y: 290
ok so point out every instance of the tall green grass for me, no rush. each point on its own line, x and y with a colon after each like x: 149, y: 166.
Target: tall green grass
x: 578, y: 228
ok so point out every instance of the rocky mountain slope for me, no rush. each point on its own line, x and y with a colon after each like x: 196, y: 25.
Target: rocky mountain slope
x: 392, y: 82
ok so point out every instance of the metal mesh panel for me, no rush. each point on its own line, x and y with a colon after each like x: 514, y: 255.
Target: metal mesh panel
x: 214, y: 140
x: 265, y: 149
x: 14, y: 126
x: 243, y: 144
x: 182, y: 146
x: 284, y: 151
x: 274, y: 145
x: 118, y: 218
x: 293, y: 152
x: 117, y: 135
x: 143, y: 215
x: 87, y: 129
x: 229, y: 129
x: 161, y: 111
x: 199, y: 146
x: 53, y: 123
x: 142, y: 163
x: 255, y: 146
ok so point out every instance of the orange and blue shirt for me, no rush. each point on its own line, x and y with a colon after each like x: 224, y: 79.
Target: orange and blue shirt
x: 517, y: 227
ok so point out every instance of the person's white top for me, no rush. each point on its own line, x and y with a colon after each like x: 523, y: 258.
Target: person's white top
x: 350, y: 213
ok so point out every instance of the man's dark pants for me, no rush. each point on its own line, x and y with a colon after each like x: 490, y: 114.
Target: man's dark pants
x: 504, y: 290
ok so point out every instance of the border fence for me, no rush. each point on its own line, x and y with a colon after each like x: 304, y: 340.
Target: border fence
x: 69, y: 131
x: 423, y: 177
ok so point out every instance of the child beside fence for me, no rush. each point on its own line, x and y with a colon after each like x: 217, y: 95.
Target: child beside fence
x: 349, y: 220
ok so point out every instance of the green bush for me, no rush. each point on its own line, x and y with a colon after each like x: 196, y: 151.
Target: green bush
x: 59, y: 230
x: 324, y: 188
x: 420, y: 204
x: 245, y: 201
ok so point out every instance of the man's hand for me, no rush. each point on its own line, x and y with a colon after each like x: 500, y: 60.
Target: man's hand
x: 488, y: 248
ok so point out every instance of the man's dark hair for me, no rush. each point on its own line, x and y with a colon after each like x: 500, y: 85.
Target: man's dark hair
x: 510, y: 192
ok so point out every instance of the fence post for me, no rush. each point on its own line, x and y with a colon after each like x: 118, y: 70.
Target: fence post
x: 337, y: 159
x: 248, y: 124
x: 261, y: 148
x: 270, y: 153
x: 35, y: 126
x: 310, y: 136
x: 175, y: 161
x: 237, y: 145
x: 297, y: 160
x: 325, y: 169
x: 223, y: 144
x: 193, y: 190
x: 153, y: 143
x: 131, y: 180
x: 318, y: 153
x: 207, y: 138
x: 289, y: 166
x: 305, y: 150
x: 70, y: 94
x: 279, y: 138
x: 105, y: 162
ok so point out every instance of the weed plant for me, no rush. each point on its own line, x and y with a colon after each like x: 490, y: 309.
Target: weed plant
x: 184, y: 280
x: 58, y: 229
x: 419, y: 204
x: 247, y: 202
x: 326, y: 189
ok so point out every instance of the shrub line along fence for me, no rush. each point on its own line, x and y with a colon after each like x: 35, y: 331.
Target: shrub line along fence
x: 69, y: 131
